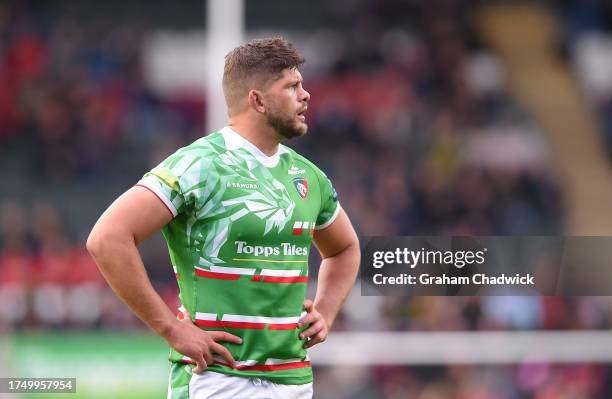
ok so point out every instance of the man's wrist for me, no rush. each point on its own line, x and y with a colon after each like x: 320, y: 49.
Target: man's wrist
x: 166, y: 329
x: 328, y: 317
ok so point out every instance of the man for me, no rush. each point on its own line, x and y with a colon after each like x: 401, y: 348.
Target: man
x: 239, y: 211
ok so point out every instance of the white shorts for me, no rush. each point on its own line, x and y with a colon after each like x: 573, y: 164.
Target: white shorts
x: 212, y: 385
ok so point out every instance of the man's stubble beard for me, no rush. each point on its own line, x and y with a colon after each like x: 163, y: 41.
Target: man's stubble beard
x: 286, y: 127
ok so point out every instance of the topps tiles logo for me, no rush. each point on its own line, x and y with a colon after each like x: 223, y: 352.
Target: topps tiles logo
x: 284, y: 249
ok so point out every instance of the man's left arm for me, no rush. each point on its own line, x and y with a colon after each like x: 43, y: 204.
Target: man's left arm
x: 339, y: 248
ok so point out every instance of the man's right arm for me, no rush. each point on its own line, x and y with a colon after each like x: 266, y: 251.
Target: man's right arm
x: 131, y: 219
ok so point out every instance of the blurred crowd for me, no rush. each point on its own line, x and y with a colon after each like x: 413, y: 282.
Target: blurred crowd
x: 411, y: 120
x: 529, y: 380
x: 420, y: 135
x: 73, y: 100
x: 587, y: 38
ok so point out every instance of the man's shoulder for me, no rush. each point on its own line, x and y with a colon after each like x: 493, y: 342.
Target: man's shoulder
x: 207, y: 146
x: 198, y: 155
x: 204, y: 148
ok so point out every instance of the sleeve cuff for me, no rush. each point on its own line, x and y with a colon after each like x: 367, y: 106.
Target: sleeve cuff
x: 154, y: 188
x: 331, y: 219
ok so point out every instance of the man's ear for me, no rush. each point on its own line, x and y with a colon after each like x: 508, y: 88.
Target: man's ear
x: 256, y: 101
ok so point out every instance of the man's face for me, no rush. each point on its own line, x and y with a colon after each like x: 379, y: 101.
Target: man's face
x: 286, y: 102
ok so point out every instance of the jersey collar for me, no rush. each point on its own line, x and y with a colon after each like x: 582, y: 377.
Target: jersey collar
x: 233, y: 141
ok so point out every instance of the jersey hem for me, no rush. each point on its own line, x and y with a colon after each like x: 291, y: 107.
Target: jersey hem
x: 284, y: 380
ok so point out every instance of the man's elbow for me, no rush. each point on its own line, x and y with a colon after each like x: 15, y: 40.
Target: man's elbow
x: 106, y: 238
x: 352, y: 253
x: 356, y: 252
x: 354, y: 244
x: 101, y: 240
x: 95, y: 243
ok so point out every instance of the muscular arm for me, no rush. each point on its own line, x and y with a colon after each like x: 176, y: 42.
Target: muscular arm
x: 339, y: 248
x: 132, y: 218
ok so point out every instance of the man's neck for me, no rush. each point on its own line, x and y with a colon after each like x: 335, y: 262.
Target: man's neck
x: 261, y: 136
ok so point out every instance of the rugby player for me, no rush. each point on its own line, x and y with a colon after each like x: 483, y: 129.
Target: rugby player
x: 239, y: 211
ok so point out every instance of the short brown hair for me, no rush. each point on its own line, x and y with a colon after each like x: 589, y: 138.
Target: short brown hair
x: 254, y: 65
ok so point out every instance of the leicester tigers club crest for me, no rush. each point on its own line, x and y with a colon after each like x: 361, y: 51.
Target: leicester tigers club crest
x: 301, y: 185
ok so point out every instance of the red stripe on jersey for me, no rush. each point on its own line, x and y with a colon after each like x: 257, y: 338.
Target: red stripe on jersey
x: 230, y: 324
x: 269, y: 367
x: 289, y: 280
x: 209, y: 323
x: 290, y: 326
x: 215, y: 275
x: 273, y: 367
x: 298, y: 232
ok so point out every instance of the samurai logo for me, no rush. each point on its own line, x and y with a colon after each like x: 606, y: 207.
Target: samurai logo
x: 301, y: 185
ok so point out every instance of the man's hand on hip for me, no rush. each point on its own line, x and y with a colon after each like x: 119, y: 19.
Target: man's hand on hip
x: 199, y: 345
x: 318, y: 327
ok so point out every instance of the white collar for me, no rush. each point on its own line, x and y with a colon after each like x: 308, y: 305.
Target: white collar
x: 233, y: 141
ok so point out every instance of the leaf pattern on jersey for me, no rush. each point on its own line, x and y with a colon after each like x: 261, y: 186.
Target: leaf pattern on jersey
x: 271, y: 202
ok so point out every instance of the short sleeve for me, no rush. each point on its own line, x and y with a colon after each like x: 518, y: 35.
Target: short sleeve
x: 329, y: 203
x: 165, y: 182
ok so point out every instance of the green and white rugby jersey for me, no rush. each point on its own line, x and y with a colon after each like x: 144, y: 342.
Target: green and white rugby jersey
x: 239, y: 243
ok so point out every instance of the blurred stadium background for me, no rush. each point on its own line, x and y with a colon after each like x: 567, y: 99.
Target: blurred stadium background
x: 431, y: 117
